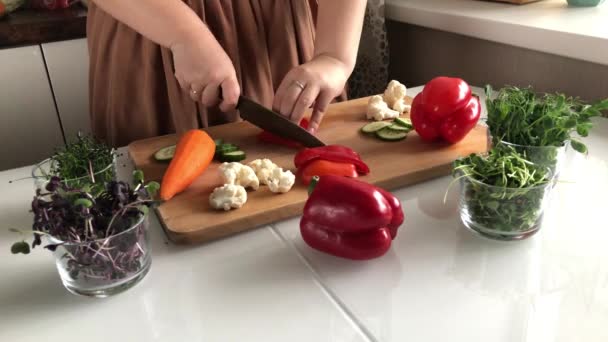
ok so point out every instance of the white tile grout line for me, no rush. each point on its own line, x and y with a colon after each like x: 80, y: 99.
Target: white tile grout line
x: 325, y: 288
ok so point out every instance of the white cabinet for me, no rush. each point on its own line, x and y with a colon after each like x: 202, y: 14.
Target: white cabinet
x: 29, y: 128
x: 68, y: 67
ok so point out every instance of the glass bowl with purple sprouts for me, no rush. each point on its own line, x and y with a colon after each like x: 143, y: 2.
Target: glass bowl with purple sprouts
x: 98, y: 233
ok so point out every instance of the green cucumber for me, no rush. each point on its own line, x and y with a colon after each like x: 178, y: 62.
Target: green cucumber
x: 404, y: 122
x: 391, y: 135
x: 224, y: 148
x: 218, y: 142
x: 396, y: 127
x: 233, y: 156
x: 375, y: 126
x: 165, y: 153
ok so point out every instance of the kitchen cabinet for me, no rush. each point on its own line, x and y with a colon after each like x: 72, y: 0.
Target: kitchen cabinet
x: 68, y: 68
x: 30, y: 129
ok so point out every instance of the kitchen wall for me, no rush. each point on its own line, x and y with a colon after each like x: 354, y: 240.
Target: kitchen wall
x: 418, y: 54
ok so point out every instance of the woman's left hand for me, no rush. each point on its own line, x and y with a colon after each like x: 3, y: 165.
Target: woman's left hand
x: 317, y: 82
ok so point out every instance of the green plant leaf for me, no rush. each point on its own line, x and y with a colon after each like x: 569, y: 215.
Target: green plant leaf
x: 144, y: 209
x: 152, y: 188
x: 583, y: 128
x: 20, y: 247
x: 578, y: 146
x: 138, y: 177
x: 85, y: 202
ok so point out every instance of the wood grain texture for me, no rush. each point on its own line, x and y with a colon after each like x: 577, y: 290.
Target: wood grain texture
x: 188, y: 218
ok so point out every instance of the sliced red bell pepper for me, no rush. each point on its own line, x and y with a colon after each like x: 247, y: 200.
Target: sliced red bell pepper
x: 335, y: 153
x: 270, y: 138
x: 349, y: 218
x: 321, y: 167
x: 445, y: 109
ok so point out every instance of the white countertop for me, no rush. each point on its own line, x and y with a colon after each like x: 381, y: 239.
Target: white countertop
x: 548, y: 26
x: 438, y: 282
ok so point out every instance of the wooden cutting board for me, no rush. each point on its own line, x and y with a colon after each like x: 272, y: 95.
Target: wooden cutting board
x: 188, y: 218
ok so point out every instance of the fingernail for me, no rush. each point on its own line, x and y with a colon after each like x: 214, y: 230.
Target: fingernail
x: 312, y: 130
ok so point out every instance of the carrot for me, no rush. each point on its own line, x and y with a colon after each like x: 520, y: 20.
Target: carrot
x: 193, y: 154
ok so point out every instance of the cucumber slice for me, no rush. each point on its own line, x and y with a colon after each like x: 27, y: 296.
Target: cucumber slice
x: 224, y: 148
x: 404, y: 122
x: 233, y: 156
x: 396, y: 127
x: 218, y: 142
x: 165, y: 153
x: 375, y: 126
x: 391, y: 135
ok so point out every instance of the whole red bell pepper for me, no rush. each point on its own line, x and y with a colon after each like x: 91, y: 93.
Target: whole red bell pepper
x: 445, y: 109
x: 349, y: 218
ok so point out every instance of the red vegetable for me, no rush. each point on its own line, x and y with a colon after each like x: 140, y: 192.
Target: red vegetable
x: 320, y: 167
x: 445, y: 109
x: 270, y: 138
x: 349, y: 218
x: 334, y: 153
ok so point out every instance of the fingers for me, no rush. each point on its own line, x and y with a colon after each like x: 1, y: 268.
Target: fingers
x: 195, y: 91
x: 211, y: 95
x: 290, y: 97
x: 318, y: 112
x: 230, y: 94
x: 280, y: 93
x: 305, y: 100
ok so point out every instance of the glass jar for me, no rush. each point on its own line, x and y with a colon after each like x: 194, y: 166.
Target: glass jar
x: 502, y: 213
x: 551, y: 157
x: 41, y: 173
x: 104, y: 267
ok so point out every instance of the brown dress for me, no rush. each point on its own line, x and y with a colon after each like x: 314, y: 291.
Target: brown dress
x: 134, y: 94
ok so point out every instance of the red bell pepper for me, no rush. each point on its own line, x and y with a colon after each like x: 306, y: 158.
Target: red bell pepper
x: 321, y: 167
x: 334, y: 153
x: 445, y: 109
x: 270, y: 138
x: 349, y: 218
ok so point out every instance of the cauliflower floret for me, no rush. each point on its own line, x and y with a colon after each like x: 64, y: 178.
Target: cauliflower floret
x: 239, y: 174
x: 228, y: 196
x: 263, y: 169
x: 378, y: 110
x: 395, y: 91
x: 281, y: 181
x: 401, y: 106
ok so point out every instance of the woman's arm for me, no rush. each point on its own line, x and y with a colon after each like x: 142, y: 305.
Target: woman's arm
x: 201, y: 65
x: 339, y: 25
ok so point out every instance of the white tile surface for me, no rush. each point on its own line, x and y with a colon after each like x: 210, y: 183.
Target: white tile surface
x: 439, y: 282
x: 548, y: 26
x: 251, y: 287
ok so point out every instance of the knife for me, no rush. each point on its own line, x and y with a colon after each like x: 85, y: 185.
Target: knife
x: 275, y: 123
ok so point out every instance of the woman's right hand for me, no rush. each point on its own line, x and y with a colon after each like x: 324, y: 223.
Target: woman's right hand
x: 205, y: 71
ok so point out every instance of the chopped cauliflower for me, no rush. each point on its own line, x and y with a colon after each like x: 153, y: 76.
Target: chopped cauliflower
x: 239, y: 174
x: 394, y: 95
x: 228, y: 196
x: 401, y: 106
x: 378, y: 110
x: 263, y: 169
x: 281, y: 181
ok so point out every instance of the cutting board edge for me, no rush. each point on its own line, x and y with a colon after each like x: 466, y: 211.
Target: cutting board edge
x: 197, y: 235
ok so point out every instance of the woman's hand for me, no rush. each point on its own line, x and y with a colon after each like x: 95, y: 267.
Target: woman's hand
x: 317, y: 82
x: 203, y: 69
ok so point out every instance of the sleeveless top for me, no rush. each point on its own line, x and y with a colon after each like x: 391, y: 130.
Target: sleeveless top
x: 134, y: 93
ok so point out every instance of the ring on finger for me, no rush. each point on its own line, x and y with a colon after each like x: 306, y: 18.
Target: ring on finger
x: 299, y: 84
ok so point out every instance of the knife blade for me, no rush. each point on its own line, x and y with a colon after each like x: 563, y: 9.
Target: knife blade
x: 275, y: 123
